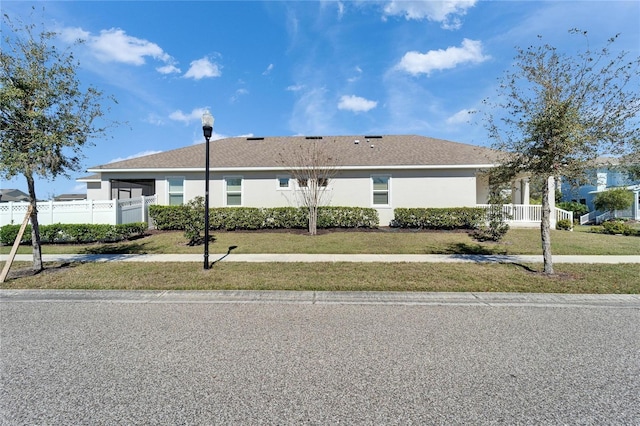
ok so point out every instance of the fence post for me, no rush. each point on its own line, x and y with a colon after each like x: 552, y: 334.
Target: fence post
x: 142, y: 208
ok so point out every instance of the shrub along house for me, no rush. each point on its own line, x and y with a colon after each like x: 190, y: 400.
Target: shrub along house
x: 381, y: 172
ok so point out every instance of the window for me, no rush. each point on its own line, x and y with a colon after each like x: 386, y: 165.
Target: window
x: 233, y: 191
x: 380, y: 186
x: 304, y: 182
x: 176, y: 190
x: 284, y: 182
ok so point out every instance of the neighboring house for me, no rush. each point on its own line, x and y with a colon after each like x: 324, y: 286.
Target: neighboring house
x: 70, y: 197
x: 607, y: 175
x: 383, y: 172
x: 15, y: 195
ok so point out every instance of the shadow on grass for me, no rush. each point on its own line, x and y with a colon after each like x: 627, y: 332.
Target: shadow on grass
x: 118, y: 248
x: 465, y: 248
x: 49, y: 268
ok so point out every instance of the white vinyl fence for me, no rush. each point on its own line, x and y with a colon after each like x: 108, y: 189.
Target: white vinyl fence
x: 111, y: 212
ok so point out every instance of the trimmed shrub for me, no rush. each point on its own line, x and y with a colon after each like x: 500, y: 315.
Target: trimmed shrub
x: 564, y: 225
x: 615, y: 227
x: 439, y: 218
x: 254, y: 218
x: 74, y: 233
x: 169, y: 218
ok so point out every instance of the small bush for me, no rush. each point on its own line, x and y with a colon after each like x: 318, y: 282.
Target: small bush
x: 616, y: 227
x: 564, y: 225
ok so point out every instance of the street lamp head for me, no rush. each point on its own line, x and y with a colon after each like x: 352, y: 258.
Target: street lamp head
x: 207, y: 124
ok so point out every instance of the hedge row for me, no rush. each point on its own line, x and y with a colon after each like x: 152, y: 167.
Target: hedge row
x: 252, y: 218
x: 439, y: 218
x: 74, y: 233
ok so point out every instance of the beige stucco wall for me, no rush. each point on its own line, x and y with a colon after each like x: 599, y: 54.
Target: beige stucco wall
x: 408, y: 188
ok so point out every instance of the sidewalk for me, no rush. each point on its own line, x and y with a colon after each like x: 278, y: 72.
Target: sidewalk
x: 364, y: 258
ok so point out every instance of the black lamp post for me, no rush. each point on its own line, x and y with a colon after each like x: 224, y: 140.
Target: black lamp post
x: 207, y: 130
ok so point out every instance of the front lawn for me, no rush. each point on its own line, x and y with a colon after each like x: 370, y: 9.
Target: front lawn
x: 517, y: 241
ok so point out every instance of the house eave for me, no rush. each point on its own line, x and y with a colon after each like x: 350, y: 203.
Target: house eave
x: 261, y: 169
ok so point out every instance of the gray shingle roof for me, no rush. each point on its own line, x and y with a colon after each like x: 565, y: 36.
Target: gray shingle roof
x: 388, y: 150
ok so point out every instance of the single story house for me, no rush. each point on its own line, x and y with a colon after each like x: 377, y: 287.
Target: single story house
x: 7, y: 195
x: 382, y: 172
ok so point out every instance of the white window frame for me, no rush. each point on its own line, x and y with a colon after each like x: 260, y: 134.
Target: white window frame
x: 283, y: 188
x: 168, y: 188
x: 373, y: 191
x: 225, y: 192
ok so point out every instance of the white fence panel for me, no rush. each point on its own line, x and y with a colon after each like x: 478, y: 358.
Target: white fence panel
x: 110, y: 212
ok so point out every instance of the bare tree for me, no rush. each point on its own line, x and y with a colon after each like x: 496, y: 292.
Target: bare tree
x: 312, y: 166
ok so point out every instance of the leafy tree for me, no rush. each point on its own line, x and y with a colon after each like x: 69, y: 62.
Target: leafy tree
x: 555, y: 113
x: 613, y: 199
x: 312, y: 167
x: 46, y: 118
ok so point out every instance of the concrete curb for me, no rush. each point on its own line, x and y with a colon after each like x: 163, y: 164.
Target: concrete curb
x: 323, y: 298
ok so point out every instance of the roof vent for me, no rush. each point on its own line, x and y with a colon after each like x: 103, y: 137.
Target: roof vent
x: 373, y: 137
x: 313, y: 137
x: 255, y: 139
x: 357, y: 141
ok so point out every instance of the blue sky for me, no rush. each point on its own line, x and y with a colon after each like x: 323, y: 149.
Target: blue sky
x: 305, y: 67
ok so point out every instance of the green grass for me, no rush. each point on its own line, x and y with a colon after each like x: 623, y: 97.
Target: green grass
x: 603, y: 279
x: 345, y: 276
x: 517, y: 241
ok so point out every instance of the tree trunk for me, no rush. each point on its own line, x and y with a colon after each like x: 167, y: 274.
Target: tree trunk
x: 545, y: 228
x: 313, y: 220
x: 35, y: 228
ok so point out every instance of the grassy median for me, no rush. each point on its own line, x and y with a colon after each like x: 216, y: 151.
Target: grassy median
x: 578, y: 278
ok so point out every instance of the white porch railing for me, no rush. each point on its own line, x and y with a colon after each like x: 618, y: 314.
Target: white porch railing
x: 523, y: 214
x: 597, y: 217
x: 110, y: 212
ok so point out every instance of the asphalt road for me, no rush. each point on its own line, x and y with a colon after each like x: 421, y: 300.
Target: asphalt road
x: 122, y: 360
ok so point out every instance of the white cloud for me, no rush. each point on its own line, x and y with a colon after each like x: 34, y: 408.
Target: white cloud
x: 423, y: 63
x: 446, y: 12
x: 295, y: 88
x: 201, y: 68
x: 154, y: 119
x: 238, y: 93
x: 114, y: 45
x: 168, y: 69
x: 139, y: 154
x: 268, y: 70
x: 71, y: 35
x: 194, y: 115
x: 356, y: 103
x: 312, y: 112
x: 357, y: 76
x: 460, y: 117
